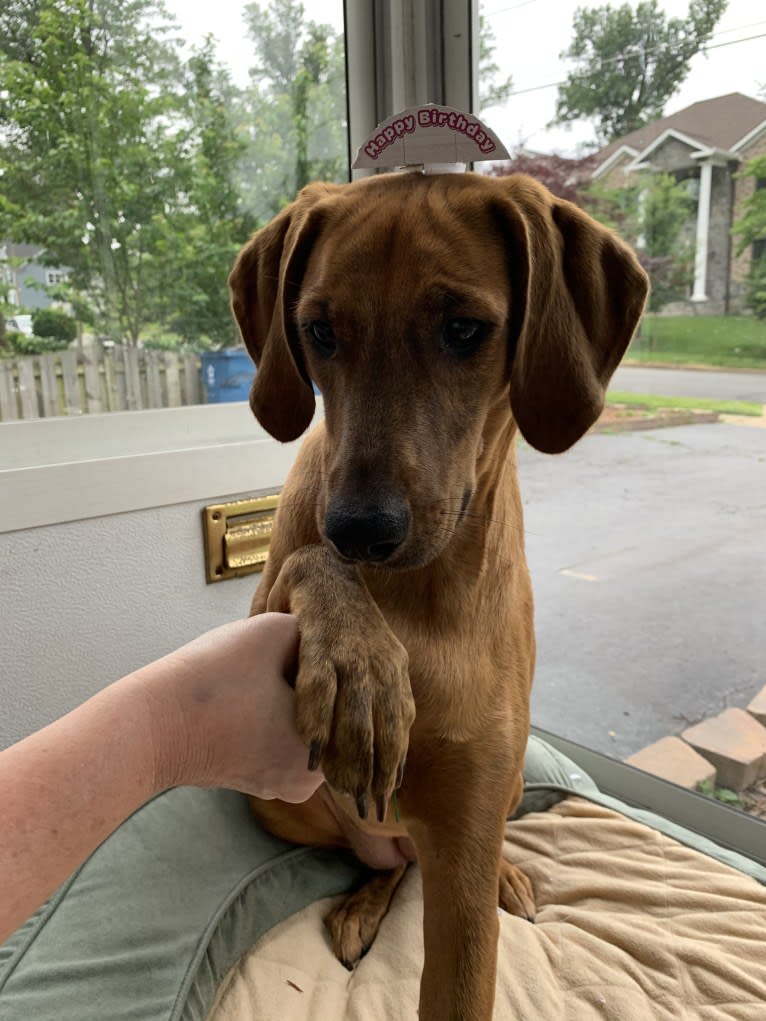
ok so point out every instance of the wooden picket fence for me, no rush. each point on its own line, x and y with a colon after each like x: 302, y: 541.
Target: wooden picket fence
x: 82, y: 382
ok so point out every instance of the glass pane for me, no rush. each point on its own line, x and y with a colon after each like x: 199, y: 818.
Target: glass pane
x: 646, y: 540
x: 141, y: 143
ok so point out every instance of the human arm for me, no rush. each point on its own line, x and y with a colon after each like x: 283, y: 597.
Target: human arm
x: 215, y: 713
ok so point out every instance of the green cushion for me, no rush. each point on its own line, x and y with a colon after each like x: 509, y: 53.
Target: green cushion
x: 151, y: 923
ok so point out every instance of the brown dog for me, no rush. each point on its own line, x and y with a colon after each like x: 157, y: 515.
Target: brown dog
x: 436, y: 314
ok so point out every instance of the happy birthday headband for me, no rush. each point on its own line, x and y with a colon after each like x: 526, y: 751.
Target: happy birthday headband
x: 431, y: 139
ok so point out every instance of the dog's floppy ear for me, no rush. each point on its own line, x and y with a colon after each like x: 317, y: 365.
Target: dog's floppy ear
x: 264, y: 287
x: 578, y: 293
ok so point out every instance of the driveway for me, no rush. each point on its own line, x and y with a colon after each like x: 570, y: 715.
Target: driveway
x: 648, y: 558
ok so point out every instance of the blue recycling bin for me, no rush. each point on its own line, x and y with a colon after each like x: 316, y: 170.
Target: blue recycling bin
x: 227, y: 375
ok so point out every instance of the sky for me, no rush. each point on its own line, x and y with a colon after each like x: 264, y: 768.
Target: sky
x: 530, y: 36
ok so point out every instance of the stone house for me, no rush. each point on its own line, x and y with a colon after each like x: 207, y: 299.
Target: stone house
x: 706, y: 144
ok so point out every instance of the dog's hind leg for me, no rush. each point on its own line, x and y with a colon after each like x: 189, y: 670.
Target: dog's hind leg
x: 515, y: 892
x: 354, y: 923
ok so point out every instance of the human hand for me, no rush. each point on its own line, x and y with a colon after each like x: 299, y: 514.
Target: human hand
x: 216, y: 713
x: 222, y: 712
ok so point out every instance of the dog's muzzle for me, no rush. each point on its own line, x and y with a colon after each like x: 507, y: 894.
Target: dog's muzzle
x: 366, y: 531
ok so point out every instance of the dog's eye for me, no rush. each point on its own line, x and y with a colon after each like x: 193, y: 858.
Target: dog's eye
x: 322, y: 338
x: 462, y: 335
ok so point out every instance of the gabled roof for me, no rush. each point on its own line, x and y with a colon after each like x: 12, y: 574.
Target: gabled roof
x: 620, y: 152
x: 16, y: 251
x: 721, y: 123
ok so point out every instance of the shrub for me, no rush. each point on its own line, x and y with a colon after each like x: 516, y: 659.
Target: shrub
x: 652, y: 214
x: 10, y: 342
x: 756, y: 289
x: 750, y: 231
x: 53, y: 324
x: 24, y: 345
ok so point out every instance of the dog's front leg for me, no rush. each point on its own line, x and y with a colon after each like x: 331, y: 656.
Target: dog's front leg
x: 455, y: 816
x: 354, y: 700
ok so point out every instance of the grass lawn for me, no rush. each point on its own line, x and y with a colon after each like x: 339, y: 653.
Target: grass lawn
x: 735, y: 341
x: 652, y: 402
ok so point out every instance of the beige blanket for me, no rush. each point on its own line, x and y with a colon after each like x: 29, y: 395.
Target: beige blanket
x: 631, y: 926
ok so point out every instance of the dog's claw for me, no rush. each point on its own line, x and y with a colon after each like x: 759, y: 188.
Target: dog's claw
x: 315, y: 755
x: 400, y: 774
x: 381, y: 805
x: 361, y: 805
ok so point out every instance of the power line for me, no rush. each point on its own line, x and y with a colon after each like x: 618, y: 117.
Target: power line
x: 621, y: 56
x: 717, y: 32
x: 504, y: 10
x: 733, y: 42
x: 739, y: 28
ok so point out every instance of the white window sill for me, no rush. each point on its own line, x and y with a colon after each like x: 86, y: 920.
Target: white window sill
x: 67, y: 469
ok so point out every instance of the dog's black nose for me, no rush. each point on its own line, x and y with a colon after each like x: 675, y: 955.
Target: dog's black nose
x: 370, y: 532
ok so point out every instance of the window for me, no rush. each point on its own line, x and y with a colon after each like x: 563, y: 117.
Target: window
x: 54, y: 277
x: 645, y: 546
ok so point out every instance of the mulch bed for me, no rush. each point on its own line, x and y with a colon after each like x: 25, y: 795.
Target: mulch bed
x: 622, y: 418
x: 753, y: 799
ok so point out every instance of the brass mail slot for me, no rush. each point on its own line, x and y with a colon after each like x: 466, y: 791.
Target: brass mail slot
x: 237, y: 536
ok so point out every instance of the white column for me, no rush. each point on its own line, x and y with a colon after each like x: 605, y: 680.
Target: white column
x: 703, y: 229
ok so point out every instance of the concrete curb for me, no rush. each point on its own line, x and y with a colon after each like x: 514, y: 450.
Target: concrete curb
x: 728, y: 750
x: 655, y: 421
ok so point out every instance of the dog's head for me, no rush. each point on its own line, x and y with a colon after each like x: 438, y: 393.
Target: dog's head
x: 421, y: 306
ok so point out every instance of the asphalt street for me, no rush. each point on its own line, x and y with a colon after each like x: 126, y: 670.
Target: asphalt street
x: 648, y: 558
x: 740, y: 386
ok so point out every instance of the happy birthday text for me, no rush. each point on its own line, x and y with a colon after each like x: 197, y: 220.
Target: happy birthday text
x: 429, y: 117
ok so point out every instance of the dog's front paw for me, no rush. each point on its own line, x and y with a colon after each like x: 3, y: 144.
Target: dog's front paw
x: 355, y: 710
x: 354, y: 700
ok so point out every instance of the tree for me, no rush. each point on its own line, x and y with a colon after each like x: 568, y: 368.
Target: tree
x: 120, y: 162
x: 630, y: 62
x: 190, y: 261
x: 568, y: 178
x: 89, y: 98
x: 491, y: 91
x: 750, y: 231
x: 294, y: 113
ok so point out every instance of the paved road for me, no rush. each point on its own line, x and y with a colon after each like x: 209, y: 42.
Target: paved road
x: 648, y: 556
x: 740, y: 386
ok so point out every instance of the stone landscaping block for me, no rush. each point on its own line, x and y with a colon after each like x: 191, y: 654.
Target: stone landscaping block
x: 757, y: 707
x: 735, y: 743
x: 672, y: 759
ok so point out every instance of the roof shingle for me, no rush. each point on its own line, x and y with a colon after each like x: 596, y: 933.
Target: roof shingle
x: 717, y: 123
